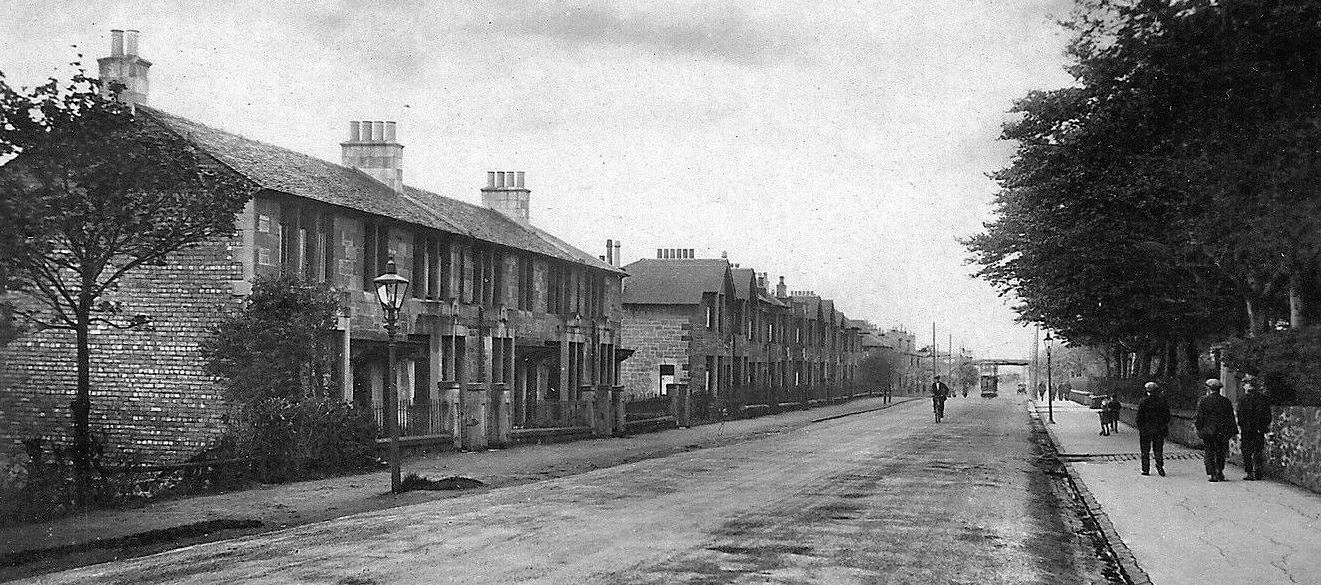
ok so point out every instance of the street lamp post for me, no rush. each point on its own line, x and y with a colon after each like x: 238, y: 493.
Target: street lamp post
x: 390, y: 291
x: 1050, y: 385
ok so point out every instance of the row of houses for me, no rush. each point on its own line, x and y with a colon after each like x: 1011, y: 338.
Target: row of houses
x: 715, y: 327
x: 501, y: 313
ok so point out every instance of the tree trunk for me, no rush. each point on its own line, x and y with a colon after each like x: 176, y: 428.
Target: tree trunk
x: 1255, y: 321
x: 1144, y: 363
x: 82, y: 405
x: 1297, y: 305
x: 1191, y: 356
x: 1169, y: 359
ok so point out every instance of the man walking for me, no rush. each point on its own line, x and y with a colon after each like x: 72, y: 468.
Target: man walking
x: 1153, y: 422
x: 1216, y: 426
x: 939, y: 392
x: 1254, y: 419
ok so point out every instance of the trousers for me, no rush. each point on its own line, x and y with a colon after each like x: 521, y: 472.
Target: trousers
x: 1254, y: 452
x: 1215, y: 447
x: 1152, y: 444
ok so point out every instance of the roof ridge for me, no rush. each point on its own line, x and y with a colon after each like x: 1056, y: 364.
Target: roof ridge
x: 277, y: 168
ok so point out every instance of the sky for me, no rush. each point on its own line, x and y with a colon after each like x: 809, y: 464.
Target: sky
x: 843, y: 145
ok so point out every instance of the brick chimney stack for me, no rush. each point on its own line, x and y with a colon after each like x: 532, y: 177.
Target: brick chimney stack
x: 506, y: 193
x: 372, y: 149
x: 781, y: 291
x: 125, y: 66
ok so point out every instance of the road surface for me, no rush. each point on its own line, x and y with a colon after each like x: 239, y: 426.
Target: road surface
x: 882, y: 497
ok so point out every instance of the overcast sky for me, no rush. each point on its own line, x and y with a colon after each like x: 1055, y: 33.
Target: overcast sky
x: 843, y: 145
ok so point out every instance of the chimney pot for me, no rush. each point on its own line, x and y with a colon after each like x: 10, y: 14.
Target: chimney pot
x: 116, y: 43
x: 659, y: 254
x: 490, y: 179
x: 355, y: 131
x: 378, y: 131
x: 389, y: 131
x: 130, y: 42
x: 520, y: 179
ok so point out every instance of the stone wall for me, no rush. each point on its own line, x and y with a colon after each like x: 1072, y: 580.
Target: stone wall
x: 1294, y: 454
x: 1182, y: 430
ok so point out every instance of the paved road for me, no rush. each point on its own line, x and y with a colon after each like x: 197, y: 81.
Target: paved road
x: 882, y: 497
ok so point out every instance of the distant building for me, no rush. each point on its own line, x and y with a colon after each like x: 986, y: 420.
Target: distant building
x: 717, y: 328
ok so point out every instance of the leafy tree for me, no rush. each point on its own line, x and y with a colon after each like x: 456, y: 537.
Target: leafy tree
x: 1171, y: 190
x: 91, y: 193
x: 279, y: 345
x: 966, y: 375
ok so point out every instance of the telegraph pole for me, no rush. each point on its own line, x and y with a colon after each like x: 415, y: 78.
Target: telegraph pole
x: 933, y: 353
x: 949, y: 361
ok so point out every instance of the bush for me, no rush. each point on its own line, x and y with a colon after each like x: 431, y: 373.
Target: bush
x: 286, y: 440
x: 42, y: 487
x: 1288, y: 363
x: 276, y: 363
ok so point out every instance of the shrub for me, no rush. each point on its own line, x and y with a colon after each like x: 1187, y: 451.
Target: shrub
x: 1288, y: 363
x: 42, y: 486
x: 284, y: 440
x: 276, y: 363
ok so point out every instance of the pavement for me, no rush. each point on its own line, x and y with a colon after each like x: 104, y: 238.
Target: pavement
x: 1182, y: 529
x: 106, y: 535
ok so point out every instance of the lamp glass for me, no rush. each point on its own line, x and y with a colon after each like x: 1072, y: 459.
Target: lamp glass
x: 391, y: 288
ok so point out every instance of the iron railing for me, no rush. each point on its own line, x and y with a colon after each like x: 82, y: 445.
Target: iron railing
x: 419, y: 419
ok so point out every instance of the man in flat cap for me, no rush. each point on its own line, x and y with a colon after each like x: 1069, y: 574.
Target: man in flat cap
x: 1216, y: 426
x: 1153, y: 423
x: 1254, y: 420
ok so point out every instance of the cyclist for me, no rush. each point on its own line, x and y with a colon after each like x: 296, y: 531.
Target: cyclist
x: 939, y: 392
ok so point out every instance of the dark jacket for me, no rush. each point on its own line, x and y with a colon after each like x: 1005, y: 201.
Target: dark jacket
x: 1112, y: 407
x: 939, y: 390
x: 1215, y: 417
x: 1153, y: 415
x: 1254, y: 413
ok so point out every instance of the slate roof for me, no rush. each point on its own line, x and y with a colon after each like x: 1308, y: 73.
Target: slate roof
x: 743, y: 278
x: 673, y: 282
x: 286, y: 171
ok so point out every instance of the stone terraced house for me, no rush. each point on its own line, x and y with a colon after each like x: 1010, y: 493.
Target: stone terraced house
x: 716, y: 328
x: 504, y: 318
